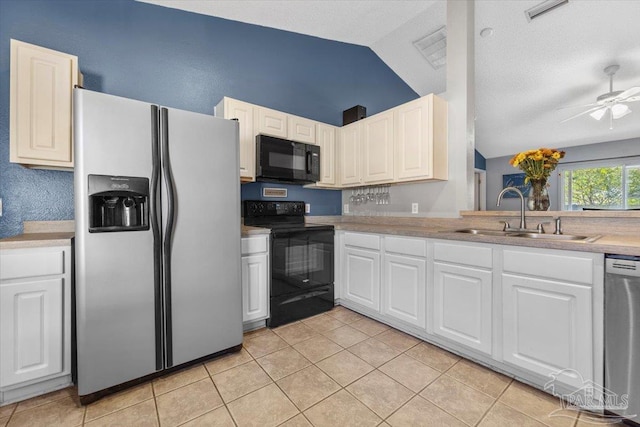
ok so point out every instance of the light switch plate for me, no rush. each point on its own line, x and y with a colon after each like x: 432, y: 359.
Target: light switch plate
x: 0, y: 207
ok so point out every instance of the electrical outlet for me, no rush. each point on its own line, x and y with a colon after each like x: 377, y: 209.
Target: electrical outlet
x: 0, y: 207
x: 414, y: 208
x: 307, y: 208
x: 346, y: 208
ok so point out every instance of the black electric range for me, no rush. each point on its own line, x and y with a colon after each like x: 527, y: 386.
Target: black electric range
x: 302, y: 260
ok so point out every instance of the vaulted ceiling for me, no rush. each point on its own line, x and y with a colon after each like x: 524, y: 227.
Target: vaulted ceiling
x: 525, y: 70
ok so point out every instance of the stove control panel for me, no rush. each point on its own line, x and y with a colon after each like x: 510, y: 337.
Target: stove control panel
x: 260, y: 208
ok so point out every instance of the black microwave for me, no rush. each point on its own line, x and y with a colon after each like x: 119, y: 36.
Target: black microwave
x: 286, y: 161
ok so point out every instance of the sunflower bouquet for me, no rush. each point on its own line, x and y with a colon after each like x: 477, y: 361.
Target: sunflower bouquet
x: 537, y: 164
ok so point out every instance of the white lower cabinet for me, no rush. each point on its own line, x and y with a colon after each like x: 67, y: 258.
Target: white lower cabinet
x: 32, y: 330
x: 534, y: 313
x: 548, y: 314
x: 463, y: 294
x: 462, y: 306
x: 404, y: 280
x: 35, y: 321
x: 255, y: 278
x: 362, y: 277
x: 361, y: 269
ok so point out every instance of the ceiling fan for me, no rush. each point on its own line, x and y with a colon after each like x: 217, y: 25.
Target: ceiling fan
x: 613, y: 102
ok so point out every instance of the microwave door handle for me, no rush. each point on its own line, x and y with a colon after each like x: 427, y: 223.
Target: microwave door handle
x: 308, y: 162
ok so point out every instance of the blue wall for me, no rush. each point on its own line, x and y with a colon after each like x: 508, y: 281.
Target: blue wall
x: 181, y: 60
x: 480, y: 162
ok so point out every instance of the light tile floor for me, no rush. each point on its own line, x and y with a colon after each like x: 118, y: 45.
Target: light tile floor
x: 335, y: 369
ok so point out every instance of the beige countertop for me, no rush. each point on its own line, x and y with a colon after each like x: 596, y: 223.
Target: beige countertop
x: 40, y: 234
x: 438, y: 228
x: 36, y: 240
x: 252, y: 231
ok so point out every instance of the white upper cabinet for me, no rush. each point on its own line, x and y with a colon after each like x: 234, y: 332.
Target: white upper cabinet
x: 377, y: 148
x: 349, y: 157
x: 270, y: 122
x: 406, y: 143
x: 421, y: 140
x: 41, y: 90
x: 302, y: 130
x: 326, y: 139
x: 233, y: 109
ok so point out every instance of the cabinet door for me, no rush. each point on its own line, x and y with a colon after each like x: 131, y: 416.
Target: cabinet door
x: 31, y: 330
x: 42, y: 83
x: 270, y: 122
x: 413, y: 141
x: 243, y: 111
x: 349, y: 158
x: 361, y: 277
x: 326, y: 139
x: 462, y: 305
x: 255, y: 298
x: 547, y: 328
x: 377, y: 148
x: 404, y: 288
x: 302, y: 130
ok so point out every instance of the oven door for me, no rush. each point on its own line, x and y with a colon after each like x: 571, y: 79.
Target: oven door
x: 301, y: 260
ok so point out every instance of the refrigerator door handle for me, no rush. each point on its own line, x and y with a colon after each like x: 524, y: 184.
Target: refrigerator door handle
x: 154, y: 204
x: 168, y: 232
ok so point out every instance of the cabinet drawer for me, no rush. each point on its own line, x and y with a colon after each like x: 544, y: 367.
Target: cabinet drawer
x: 406, y: 246
x: 368, y: 241
x: 457, y: 253
x: 562, y: 266
x: 31, y: 263
x: 252, y: 245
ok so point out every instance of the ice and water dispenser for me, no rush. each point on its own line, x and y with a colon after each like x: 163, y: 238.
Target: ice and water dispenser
x: 118, y: 203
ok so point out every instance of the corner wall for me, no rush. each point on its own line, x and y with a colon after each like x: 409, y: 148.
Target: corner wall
x: 181, y: 60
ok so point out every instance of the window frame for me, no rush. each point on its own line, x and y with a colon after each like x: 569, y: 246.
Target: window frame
x: 624, y: 162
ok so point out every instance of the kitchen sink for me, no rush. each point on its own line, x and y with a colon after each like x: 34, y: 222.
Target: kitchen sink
x: 527, y: 235
x: 588, y: 239
x: 481, y: 232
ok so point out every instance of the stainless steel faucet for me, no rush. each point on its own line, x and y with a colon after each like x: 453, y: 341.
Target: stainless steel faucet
x: 523, y: 222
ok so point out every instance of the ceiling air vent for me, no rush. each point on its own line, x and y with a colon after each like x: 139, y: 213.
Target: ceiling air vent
x: 434, y: 47
x: 542, y: 8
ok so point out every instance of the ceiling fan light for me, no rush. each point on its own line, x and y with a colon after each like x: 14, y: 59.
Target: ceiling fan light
x: 620, y: 110
x: 598, y: 114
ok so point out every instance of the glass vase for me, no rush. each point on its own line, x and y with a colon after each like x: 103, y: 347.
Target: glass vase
x: 538, y: 199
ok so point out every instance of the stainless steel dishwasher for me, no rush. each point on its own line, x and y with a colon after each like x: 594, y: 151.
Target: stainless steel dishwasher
x: 622, y: 335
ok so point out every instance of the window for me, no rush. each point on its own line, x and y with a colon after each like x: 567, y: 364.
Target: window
x: 614, y: 184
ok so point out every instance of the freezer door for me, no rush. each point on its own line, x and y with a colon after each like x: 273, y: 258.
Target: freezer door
x: 115, y: 296
x: 202, y: 234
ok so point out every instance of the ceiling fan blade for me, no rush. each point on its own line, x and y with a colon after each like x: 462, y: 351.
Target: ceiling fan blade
x: 598, y: 114
x: 632, y: 99
x: 576, y: 106
x: 629, y: 92
x: 590, y: 110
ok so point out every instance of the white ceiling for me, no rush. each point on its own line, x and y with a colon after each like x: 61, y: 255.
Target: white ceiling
x: 524, y: 72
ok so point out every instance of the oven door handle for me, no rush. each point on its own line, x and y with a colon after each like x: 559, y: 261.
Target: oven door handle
x: 307, y: 295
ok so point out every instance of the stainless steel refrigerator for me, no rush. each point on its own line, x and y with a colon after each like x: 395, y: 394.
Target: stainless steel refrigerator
x: 157, y: 243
